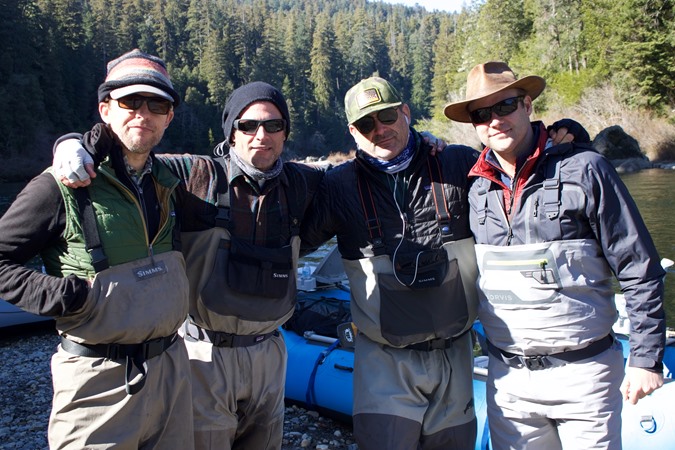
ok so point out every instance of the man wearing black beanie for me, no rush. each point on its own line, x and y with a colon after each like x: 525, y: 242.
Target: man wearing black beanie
x: 240, y: 217
x: 241, y: 254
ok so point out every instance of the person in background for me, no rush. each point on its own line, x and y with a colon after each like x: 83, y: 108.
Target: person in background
x: 553, y: 224
x: 114, y: 282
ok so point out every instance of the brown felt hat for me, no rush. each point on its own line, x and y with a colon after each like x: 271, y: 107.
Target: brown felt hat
x: 487, y: 79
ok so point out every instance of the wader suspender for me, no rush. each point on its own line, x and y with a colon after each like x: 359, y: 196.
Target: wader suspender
x: 481, y: 206
x: 551, y: 198
x: 552, y: 191
x: 136, y: 355
x: 92, y: 241
x: 443, y: 216
x: 224, y: 202
x: 372, y: 220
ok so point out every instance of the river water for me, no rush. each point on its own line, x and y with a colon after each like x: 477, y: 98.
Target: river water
x: 653, y: 191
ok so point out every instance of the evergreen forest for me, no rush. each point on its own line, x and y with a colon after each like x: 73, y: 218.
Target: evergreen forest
x: 53, y: 55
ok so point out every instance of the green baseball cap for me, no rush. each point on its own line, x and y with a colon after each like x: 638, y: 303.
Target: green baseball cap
x: 370, y: 95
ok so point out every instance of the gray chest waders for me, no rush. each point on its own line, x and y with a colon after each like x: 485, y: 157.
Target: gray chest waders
x: 434, y: 301
x: 547, y: 296
x: 244, y: 289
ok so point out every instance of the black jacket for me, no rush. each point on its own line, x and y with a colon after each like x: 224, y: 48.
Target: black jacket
x: 338, y: 206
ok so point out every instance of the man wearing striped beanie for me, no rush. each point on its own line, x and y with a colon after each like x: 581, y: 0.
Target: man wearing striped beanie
x: 136, y: 72
x: 114, y: 282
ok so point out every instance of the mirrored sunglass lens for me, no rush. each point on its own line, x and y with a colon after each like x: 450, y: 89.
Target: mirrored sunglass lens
x: 481, y: 115
x: 503, y: 108
x: 247, y: 126
x: 251, y: 126
x: 365, y: 125
x: 506, y: 107
x: 274, y: 125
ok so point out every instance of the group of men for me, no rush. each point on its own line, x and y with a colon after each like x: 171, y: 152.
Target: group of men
x: 525, y: 235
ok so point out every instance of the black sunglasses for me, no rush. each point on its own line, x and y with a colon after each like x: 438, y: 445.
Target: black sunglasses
x: 503, y: 108
x: 156, y: 105
x: 367, y: 124
x: 250, y: 126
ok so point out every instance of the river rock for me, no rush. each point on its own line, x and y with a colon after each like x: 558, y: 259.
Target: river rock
x: 614, y: 143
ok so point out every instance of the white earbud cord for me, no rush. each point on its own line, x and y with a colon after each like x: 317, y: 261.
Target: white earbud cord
x: 403, y: 222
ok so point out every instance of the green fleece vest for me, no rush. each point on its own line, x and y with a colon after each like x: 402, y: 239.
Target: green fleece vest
x: 120, y: 220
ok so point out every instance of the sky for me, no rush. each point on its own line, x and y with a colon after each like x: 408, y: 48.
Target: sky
x: 431, y: 5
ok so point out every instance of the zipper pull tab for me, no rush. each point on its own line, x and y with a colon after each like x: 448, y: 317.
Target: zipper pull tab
x: 151, y: 254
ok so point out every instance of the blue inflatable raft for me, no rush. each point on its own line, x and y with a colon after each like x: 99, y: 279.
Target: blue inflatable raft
x: 319, y: 374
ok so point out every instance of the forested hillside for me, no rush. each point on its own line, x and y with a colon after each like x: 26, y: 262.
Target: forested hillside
x: 53, y: 55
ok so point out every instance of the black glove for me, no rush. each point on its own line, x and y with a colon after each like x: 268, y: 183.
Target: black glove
x: 574, y: 128
x: 99, y: 142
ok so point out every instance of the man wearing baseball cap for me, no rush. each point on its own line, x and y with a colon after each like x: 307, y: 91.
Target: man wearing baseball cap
x: 401, y: 220
x: 553, y: 224
x: 114, y: 282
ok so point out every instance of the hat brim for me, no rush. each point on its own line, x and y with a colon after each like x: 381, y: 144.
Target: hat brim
x: 371, y: 109
x: 458, y: 111
x: 137, y: 89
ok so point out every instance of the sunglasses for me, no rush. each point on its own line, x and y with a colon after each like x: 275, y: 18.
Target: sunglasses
x: 156, y: 105
x: 367, y: 124
x: 503, y: 108
x: 250, y: 126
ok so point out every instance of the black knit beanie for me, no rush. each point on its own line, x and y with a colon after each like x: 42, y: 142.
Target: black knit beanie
x: 139, y: 72
x: 243, y: 96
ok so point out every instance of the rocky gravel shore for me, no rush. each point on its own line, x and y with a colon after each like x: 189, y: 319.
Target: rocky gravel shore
x: 26, y: 395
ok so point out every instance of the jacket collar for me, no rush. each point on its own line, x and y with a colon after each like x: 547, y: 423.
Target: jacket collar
x: 421, y: 152
x: 487, y: 167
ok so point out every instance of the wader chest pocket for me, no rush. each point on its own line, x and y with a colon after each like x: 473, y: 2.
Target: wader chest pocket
x: 409, y: 315
x: 256, y: 270
x: 429, y: 270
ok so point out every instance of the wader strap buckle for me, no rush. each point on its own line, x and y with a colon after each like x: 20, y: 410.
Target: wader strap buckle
x: 136, y: 355
x: 539, y: 362
x: 536, y: 362
x: 434, y: 344
x: 222, y: 339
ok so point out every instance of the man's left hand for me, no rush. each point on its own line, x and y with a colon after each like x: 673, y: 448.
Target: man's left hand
x: 638, y: 383
x: 567, y: 130
x: 437, y: 144
x: 73, y: 166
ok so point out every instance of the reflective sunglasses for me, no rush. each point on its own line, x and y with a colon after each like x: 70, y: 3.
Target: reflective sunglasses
x: 367, y: 124
x: 156, y: 105
x: 250, y: 126
x: 503, y: 108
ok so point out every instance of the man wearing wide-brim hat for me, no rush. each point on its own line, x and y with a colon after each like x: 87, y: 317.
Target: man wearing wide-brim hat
x: 553, y: 224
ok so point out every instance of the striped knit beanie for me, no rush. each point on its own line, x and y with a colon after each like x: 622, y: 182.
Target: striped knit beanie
x: 135, y: 72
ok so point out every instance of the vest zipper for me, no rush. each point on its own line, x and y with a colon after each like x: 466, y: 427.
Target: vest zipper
x: 144, y: 214
x: 136, y: 201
